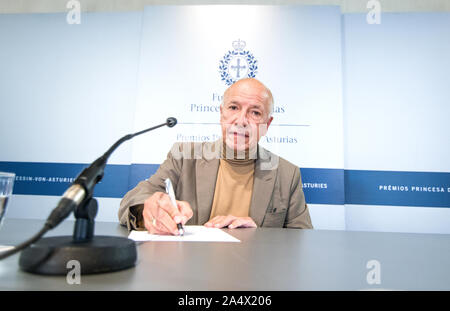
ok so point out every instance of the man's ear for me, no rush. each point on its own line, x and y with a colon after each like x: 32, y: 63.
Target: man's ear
x: 264, y: 127
x: 268, y: 122
x: 221, y: 112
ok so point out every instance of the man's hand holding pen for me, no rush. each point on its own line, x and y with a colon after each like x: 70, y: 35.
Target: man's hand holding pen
x: 161, y: 216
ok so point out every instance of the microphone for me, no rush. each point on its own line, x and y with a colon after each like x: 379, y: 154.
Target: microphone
x: 171, y: 122
x: 97, y: 253
x: 83, y: 186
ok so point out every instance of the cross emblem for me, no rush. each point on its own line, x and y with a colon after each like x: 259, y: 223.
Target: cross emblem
x: 238, y: 67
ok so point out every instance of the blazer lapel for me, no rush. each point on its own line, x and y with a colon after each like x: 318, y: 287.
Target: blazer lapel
x: 206, y: 171
x: 263, y: 185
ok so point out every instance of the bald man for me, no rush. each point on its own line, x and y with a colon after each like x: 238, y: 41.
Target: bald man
x: 233, y: 182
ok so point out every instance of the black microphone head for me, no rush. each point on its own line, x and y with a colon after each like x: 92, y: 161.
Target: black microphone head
x: 171, y: 122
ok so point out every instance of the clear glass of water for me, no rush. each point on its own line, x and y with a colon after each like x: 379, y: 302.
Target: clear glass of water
x: 6, y: 189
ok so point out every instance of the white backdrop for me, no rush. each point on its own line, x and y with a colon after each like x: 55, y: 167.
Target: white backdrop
x: 365, y: 104
x: 179, y: 74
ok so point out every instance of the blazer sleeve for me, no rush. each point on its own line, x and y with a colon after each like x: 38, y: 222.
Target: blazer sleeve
x: 298, y: 212
x: 132, y: 204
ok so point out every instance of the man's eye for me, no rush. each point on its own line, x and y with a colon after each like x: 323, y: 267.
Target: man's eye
x: 233, y: 107
x: 256, y: 113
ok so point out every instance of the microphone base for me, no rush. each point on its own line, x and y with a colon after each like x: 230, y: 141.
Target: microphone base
x: 50, y: 256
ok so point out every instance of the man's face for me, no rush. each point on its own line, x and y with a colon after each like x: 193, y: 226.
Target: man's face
x: 244, y: 116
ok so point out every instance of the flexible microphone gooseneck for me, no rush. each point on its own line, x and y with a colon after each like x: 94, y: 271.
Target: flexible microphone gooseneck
x: 84, y: 184
x: 95, y: 253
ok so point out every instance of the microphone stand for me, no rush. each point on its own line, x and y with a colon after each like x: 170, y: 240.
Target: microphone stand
x: 96, y: 254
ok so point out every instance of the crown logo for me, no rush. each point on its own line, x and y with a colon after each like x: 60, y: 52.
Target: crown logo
x: 239, y: 45
x: 237, y: 64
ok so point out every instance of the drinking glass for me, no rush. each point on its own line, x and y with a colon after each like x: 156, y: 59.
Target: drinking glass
x: 6, y: 189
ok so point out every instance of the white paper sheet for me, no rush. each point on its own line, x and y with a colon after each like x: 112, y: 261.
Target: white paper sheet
x: 191, y: 234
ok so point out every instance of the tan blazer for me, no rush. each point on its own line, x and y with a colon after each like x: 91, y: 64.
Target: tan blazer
x: 277, y: 197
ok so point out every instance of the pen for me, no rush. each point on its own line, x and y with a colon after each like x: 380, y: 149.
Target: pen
x: 171, y: 193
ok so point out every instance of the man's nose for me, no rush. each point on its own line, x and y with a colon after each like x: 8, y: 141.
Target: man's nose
x: 242, y: 119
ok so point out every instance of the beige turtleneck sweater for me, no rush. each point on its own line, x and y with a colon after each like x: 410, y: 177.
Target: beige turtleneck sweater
x: 234, y: 187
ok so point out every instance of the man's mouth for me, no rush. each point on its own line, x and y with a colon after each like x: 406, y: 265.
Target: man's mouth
x: 237, y: 134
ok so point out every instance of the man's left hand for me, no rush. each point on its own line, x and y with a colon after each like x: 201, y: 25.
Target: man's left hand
x: 231, y: 222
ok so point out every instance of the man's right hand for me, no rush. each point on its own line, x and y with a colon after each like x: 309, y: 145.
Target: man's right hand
x: 161, y: 217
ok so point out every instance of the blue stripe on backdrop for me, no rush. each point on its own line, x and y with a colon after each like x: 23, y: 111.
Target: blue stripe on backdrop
x: 54, y: 178
x: 140, y: 172
x: 321, y: 186
x: 397, y: 188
